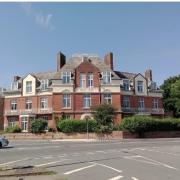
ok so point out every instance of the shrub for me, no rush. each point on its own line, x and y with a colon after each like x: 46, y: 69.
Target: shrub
x: 15, y: 129
x: 38, y: 125
x: 69, y: 126
x: 141, y: 124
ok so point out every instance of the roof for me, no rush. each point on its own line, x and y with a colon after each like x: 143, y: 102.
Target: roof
x: 126, y: 75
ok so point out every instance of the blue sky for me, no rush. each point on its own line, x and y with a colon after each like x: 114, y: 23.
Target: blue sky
x: 140, y: 35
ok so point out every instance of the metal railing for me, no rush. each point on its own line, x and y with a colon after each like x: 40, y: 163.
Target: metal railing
x: 143, y: 110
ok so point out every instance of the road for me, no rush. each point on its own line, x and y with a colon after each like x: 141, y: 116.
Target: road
x: 146, y: 159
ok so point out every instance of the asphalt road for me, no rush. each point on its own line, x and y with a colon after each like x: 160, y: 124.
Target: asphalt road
x: 148, y: 159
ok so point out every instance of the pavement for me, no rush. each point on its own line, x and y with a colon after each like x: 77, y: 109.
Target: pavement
x: 139, y: 159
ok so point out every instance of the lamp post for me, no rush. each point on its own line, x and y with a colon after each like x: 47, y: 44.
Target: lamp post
x: 87, y: 127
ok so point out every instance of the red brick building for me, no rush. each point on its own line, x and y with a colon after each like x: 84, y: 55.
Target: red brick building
x: 80, y: 83
x: 1, y: 108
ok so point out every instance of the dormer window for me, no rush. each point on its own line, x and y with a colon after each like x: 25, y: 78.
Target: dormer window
x: 126, y: 85
x: 28, y: 86
x: 66, y: 77
x: 140, y: 86
x: 44, y: 84
x: 106, y: 77
x: 14, y: 86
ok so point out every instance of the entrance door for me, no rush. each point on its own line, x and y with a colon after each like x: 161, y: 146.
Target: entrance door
x: 24, y: 124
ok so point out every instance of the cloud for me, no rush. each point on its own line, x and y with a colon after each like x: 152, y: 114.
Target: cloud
x: 44, y: 20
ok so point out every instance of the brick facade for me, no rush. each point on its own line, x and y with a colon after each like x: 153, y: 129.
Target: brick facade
x: 1, y: 112
x: 64, y: 95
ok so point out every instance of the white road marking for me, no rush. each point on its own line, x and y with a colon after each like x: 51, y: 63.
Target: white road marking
x: 54, y: 162
x: 101, y: 152
x: 163, y: 152
x: 75, y: 154
x: 139, y: 160
x: 149, y: 161
x: 134, y: 178
x: 90, y: 153
x: 116, y: 178
x: 79, y: 169
x: 11, y: 162
x: 109, y: 167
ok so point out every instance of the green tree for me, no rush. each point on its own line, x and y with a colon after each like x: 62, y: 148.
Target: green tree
x: 171, y: 95
x: 104, y: 115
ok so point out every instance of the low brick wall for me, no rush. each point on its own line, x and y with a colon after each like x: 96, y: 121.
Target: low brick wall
x: 49, y: 135
x: 114, y: 135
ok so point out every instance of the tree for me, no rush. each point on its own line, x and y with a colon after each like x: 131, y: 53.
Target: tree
x: 171, y: 95
x: 104, y: 115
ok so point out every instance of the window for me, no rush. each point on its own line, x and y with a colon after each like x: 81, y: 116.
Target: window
x: 66, y: 100
x: 44, y: 103
x: 90, y: 79
x: 66, y: 77
x: 44, y: 84
x: 87, y: 101
x: 28, y: 86
x: 28, y: 104
x: 155, y: 103
x: 126, y: 85
x: 82, y: 80
x: 106, y: 77
x: 14, y: 105
x: 126, y: 102
x: 11, y: 122
x: 107, y: 98
x: 141, y: 103
x: 140, y: 86
x: 14, y: 86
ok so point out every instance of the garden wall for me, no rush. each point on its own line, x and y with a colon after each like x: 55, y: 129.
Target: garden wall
x: 115, y: 135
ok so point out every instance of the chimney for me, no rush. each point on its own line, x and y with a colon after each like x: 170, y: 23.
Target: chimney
x: 61, y: 60
x: 16, y: 78
x: 148, y: 74
x: 108, y: 60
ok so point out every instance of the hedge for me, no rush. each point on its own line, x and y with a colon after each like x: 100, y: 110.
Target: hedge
x: 142, y: 124
x: 69, y: 126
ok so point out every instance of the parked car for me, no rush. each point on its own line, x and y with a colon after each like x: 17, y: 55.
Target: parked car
x: 3, y: 142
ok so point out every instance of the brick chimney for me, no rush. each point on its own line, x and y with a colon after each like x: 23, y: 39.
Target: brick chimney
x: 148, y: 74
x: 108, y: 60
x: 61, y: 60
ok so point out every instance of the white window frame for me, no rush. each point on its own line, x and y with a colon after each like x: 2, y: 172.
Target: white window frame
x: 44, y: 103
x: 87, y: 100
x: 90, y: 80
x: 107, y: 98
x: 14, y: 105
x: 28, y: 86
x: 11, y: 122
x: 44, y: 84
x: 28, y: 104
x: 126, y: 85
x: 140, y: 86
x: 67, y: 100
x: 141, y: 104
x: 106, y: 77
x: 82, y: 80
x: 126, y: 102
x: 66, y: 77
x: 155, y: 103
